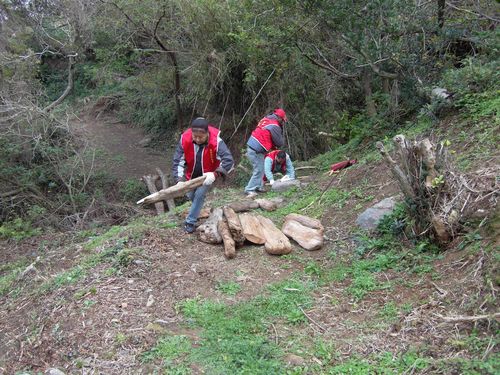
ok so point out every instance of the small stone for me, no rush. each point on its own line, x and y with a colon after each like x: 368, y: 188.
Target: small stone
x: 370, y: 218
x: 151, y: 300
x: 54, y: 371
x: 145, y: 142
x: 294, y: 360
x: 124, y: 305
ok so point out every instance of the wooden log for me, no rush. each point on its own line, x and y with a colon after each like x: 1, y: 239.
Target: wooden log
x: 175, y: 191
x: 209, y: 231
x: 150, y: 181
x: 276, y: 242
x: 252, y: 229
x: 234, y: 224
x: 244, y: 205
x: 227, y: 239
x: 266, y: 204
x: 204, y: 213
x: 165, y: 182
x: 306, y: 221
x: 308, y: 238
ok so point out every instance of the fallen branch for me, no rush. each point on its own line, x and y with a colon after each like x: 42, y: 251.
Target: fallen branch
x: 474, y: 318
x: 175, y: 191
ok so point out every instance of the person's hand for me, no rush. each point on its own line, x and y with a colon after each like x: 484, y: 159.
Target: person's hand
x: 210, y: 178
x: 179, y: 181
x: 271, y: 182
x: 285, y: 178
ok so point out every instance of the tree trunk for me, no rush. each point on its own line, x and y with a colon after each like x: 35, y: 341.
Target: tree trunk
x: 244, y: 205
x: 175, y: 191
x: 234, y: 224
x: 266, y: 204
x: 209, y: 230
x: 165, y: 182
x: 367, y: 88
x: 229, y: 245
x: 150, y: 180
x: 69, y: 87
x: 440, y: 12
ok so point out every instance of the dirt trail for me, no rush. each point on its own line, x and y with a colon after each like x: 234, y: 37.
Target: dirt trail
x: 124, y: 157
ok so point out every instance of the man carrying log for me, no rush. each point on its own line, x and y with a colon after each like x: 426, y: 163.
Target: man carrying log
x: 278, y: 161
x: 267, y: 136
x: 200, y: 152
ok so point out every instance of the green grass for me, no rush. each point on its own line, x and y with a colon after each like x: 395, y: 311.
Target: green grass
x: 230, y: 288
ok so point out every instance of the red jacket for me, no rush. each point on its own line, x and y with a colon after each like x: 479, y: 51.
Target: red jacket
x: 272, y: 156
x: 262, y: 135
x: 209, y: 161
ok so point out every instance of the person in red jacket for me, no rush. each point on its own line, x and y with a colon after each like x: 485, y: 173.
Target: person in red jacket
x: 267, y: 136
x: 200, y: 152
x: 278, y: 161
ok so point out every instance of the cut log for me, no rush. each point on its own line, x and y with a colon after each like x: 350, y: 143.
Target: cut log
x: 276, y: 242
x: 229, y: 245
x: 175, y: 191
x: 244, y: 205
x: 204, y: 213
x: 266, y: 204
x: 165, y: 182
x: 280, y: 186
x: 209, y: 231
x: 307, y: 238
x: 306, y: 221
x: 233, y: 222
x: 150, y: 181
x: 252, y: 229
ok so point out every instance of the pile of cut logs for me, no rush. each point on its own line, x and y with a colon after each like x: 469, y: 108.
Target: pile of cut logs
x: 232, y: 225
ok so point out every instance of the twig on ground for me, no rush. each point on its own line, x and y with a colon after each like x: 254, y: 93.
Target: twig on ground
x: 460, y: 318
x: 312, y: 320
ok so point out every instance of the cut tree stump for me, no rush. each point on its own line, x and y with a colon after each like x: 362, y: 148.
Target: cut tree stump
x: 276, y: 242
x: 175, y: 191
x: 252, y: 229
x: 209, y: 231
x: 266, y: 204
x: 227, y: 239
x: 150, y: 181
x: 244, y: 205
x: 304, y: 230
x: 234, y: 224
x: 165, y: 182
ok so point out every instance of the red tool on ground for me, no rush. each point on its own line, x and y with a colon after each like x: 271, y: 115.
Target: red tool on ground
x: 342, y: 165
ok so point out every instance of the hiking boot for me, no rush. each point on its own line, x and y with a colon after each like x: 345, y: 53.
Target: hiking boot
x: 189, y: 228
x: 260, y: 190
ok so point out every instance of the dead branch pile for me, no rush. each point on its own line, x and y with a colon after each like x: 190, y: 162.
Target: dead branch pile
x: 440, y: 199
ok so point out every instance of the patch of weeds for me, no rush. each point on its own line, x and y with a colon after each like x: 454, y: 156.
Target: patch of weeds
x: 362, y: 283
x: 8, y: 280
x: 126, y: 256
x: 88, y: 303
x: 230, y: 288
x: 168, y: 349
x: 389, y: 312
x: 95, y: 242
x: 83, y: 292
x: 312, y: 268
x: 18, y: 229
x: 65, y: 278
x: 120, y: 338
x: 131, y: 190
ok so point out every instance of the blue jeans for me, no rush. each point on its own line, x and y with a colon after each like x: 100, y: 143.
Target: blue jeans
x: 256, y: 181
x: 197, y: 196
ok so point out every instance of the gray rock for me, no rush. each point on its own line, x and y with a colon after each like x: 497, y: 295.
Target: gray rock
x: 280, y: 186
x: 370, y: 218
x: 145, y: 142
x: 54, y: 371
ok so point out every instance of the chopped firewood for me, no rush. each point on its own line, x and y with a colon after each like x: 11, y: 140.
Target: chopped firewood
x: 308, y: 238
x: 266, y: 204
x: 252, y: 229
x: 306, y: 221
x: 208, y: 231
x: 234, y: 224
x: 227, y: 239
x: 276, y: 242
x: 244, y: 205
x: 175, y: 191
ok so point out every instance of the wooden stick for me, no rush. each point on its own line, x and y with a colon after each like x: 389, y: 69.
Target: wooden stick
x: 150, y: 180
x: 229, y: 245
x: 175, y: 191
x: 165, y: 182
x: 234, y: 224
x: 474, y: 318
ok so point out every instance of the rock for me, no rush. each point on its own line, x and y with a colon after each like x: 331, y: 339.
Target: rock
x: 280, y: 186
x: 145, y: 142
x: 54, y: 371
x: 370, y: 218
x: 294, y: 360
x: 150, y: 301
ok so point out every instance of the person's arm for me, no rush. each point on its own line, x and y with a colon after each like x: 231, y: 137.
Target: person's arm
x: 276, y: 135
x: 179, y: 164
x: 225, y: 157
x: 290, y: 171
x: 268, y: 165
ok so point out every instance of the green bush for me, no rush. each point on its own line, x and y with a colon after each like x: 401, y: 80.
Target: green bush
x: 132, y: 190
x: 18, y: 229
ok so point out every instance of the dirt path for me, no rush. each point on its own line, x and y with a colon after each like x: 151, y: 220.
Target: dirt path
x: 119, y: 148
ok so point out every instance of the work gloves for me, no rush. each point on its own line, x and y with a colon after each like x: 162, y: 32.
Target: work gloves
x: 285, y: 178
x: 210, y: 178
x: 271, y: 182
